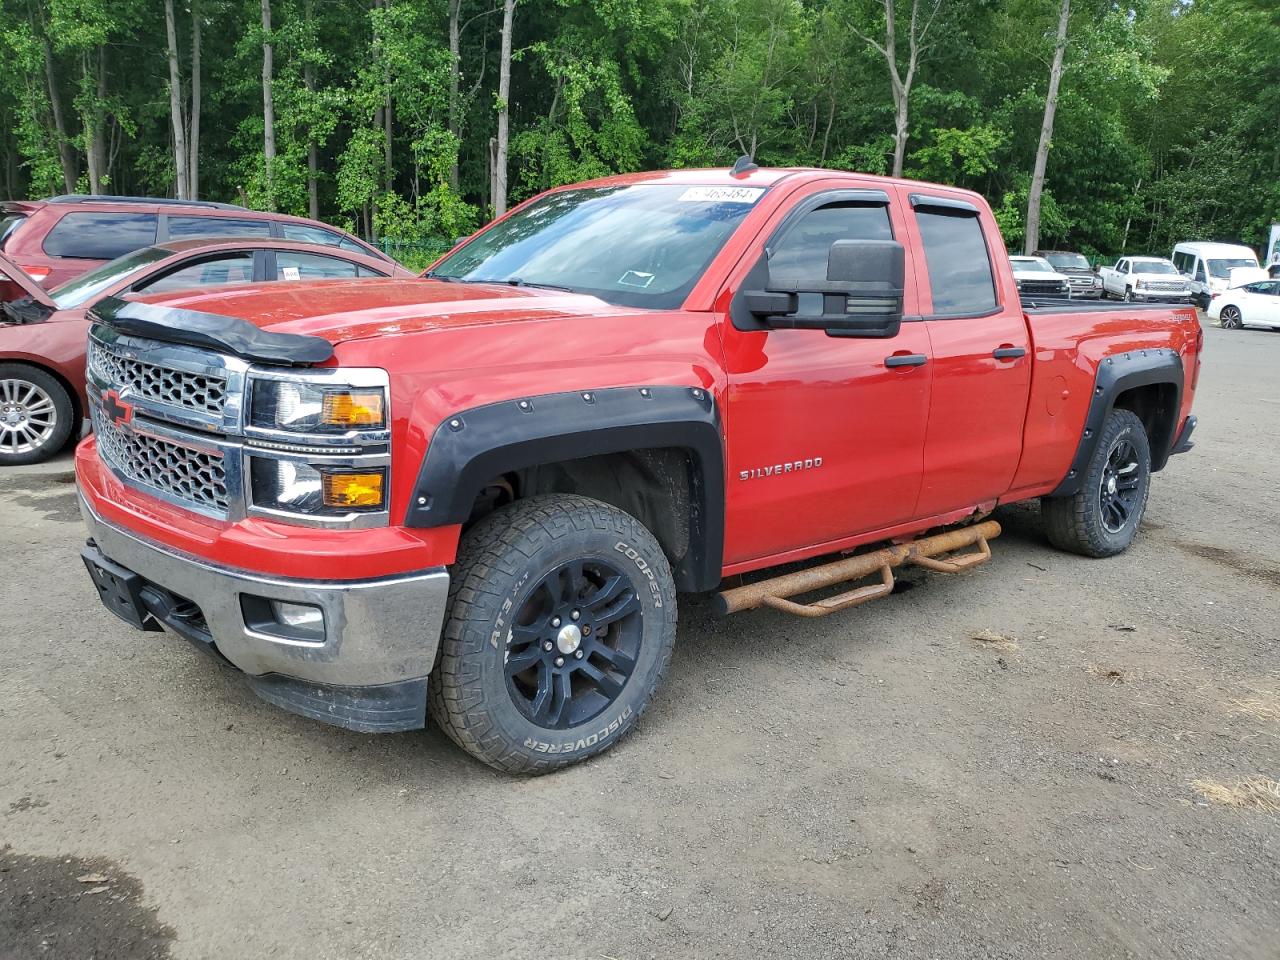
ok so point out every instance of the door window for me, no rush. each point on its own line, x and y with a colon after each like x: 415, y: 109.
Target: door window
x: 215, y: 271
x: 1200, y: 271
x: 799, y: 260
x: 100, y: 236
x: 181, y: 227
x: 291, y: 265
x: 955, y: 249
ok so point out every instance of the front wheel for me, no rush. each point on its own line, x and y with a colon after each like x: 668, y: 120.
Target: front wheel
x: 561, y: 624
x: 1230, y: 318
x: 35, y: 415
x: 1128, y: 294
x: 1102, y: 517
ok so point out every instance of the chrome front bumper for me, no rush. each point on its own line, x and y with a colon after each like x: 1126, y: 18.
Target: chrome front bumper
x: 379, y: 636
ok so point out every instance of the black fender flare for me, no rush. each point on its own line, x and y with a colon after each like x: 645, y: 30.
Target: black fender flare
x: 472, y: 447
x: 1116, y: 374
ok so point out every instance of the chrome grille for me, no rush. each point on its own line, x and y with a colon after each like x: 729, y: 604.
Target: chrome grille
x: 151, y: 381
x: 1164, y: 286
x: 184, y: 473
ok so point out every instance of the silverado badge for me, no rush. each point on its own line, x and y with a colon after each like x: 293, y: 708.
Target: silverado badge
x: 791, y: 466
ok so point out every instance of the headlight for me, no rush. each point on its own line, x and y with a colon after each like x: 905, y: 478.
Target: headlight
x: 314, y: 489
x: 306, y: 407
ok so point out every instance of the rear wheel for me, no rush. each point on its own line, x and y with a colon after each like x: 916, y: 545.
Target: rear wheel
x: 1102, y: 518
x: 561, y: 624
x: 35, y: 414
x: 1230, y: 318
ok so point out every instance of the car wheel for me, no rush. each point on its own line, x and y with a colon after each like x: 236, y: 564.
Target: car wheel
x: 35, y: 414
x: 1102, y: 518
x: 561, y: 625
x: 1230, y: 318
x: 1128, y: 294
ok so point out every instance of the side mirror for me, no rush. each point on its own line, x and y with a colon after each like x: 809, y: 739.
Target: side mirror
x: 861, y: 297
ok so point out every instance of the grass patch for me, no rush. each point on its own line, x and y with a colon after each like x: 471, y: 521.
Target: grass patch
x: 1265, y: 706
x: 990, y: 640
x: 1256, y: 792
x: 1110, y: 675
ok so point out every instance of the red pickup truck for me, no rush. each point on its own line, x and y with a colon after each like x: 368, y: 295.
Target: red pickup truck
x: 481, y: 490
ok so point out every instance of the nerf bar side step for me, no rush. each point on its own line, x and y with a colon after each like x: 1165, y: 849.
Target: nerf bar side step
x: 928, y: 552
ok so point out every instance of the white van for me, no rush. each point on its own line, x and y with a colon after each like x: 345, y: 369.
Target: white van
x: 1214, y: 267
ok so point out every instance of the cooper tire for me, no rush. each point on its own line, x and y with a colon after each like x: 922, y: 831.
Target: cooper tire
x: 514, y: 577
x: 1088, y: 522
x: 36, y: 414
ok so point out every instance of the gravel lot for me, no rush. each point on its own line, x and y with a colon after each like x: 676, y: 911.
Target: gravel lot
x: 877, y: 784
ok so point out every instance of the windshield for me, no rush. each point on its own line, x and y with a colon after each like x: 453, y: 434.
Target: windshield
x: 1031, y: 266
x: 85, y: 287
x: 1068, y: 261
x: 1154, y: 266
x: 643, y: 245
x: 1222, y: 268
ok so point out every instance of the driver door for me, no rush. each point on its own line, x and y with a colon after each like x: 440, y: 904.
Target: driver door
x: 824, y: 434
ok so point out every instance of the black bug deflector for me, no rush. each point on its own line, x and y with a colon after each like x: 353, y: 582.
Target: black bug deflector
x: 211, y: 331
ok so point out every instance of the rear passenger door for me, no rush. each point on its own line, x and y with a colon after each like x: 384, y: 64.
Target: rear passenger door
x: 981, y: 356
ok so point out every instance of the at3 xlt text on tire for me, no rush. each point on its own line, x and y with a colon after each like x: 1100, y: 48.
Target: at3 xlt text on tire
x: 561, y: 623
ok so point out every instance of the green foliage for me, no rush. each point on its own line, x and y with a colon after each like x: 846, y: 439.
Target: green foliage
x: 1165, y: 126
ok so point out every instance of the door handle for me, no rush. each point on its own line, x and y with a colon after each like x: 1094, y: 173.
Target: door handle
x: 906, y: 360
x: 1008, y: 353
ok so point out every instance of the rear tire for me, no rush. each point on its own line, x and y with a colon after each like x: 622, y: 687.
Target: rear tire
x: 35, y: 414
x: 1102, y: 518
x: 1230, y: 318
x: 521, y: 576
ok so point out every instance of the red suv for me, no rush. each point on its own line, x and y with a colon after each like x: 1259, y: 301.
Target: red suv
x: 57, y: 239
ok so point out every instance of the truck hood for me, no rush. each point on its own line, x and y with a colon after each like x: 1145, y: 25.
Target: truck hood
x: 342, y: 310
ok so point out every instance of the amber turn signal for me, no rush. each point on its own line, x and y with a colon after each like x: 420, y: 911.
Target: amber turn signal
x: 350, y: 409
x: 350, y: 490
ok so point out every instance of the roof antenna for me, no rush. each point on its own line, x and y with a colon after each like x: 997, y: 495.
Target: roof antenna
x: 744, y: 166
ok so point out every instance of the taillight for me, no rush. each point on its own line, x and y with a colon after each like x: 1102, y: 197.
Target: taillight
x: 38, y: 274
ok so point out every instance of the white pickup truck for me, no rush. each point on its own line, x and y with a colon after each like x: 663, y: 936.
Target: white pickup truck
x: 1144, y: 278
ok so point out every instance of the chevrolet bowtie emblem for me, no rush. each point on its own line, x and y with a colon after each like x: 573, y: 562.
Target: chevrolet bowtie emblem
x: 116, y: 410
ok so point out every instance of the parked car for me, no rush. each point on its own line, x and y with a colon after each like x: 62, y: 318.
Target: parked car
x: 1213, y: 268
x: 1253, y: 305
x: 1037, y: 279
x: 1084, y: 280
x: 43, y: 332
x: 57, y: 239
x: 1144, y: 278
x: 484, y: 487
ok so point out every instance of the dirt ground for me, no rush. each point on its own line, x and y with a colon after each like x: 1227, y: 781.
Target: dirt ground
x: 878, y: 784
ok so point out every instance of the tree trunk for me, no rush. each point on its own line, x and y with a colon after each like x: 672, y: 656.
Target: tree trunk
x: 70, y: 170
x: 181, y: 160
x: 504, y: 111
x: 193, y: 141
x: 268, y: 105
x: 313, y: 164
x: 455, y: 77
x: 94, y: 65
x: 388, y: 118
x: 1032, y: 240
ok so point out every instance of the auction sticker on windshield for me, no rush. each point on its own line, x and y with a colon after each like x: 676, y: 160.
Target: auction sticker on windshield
x: 721, y: 195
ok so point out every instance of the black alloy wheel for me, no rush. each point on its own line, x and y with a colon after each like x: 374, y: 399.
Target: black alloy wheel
x: 574, y: 643
x: 1120, y: 490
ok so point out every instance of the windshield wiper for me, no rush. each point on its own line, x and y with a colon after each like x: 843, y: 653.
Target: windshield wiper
x: 517, y: 282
